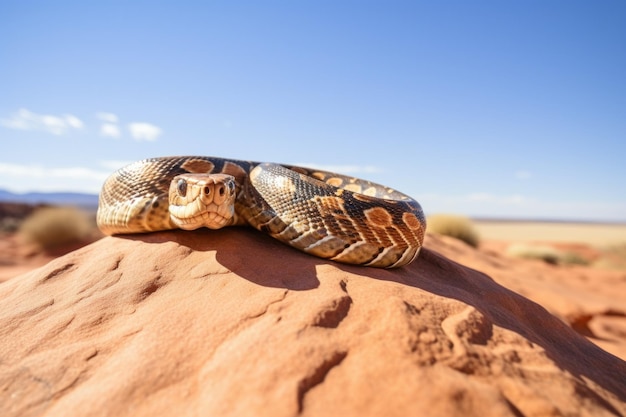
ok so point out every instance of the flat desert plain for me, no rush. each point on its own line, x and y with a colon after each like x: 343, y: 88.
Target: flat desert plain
x: 602, y: 235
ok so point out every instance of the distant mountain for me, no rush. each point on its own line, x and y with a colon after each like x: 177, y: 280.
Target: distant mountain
x: 88, y: 201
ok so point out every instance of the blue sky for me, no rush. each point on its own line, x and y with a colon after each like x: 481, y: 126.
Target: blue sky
x: 485, y: 108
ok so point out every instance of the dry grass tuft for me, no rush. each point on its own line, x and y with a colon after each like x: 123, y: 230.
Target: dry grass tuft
x: 12, y: 215
x: 539, y: 252
x: 455, y: 226
x: 51, y: 227
x: 573, y: 258
x: 547, y: 254
x: 614, y: 257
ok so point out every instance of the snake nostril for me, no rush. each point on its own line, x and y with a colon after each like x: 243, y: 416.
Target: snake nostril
x: 222, y: 191
x: 182, y: 187
x: 207, y: 190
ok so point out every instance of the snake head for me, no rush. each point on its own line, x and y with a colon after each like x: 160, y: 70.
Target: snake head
x: 202, y: 200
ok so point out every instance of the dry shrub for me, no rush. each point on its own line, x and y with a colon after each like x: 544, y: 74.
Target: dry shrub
x: 12, y: 215
x: 573, y: 258
x: 52, y: 227
x: 614, y: 257
x: 547, y: 254
x: 539, y: 252
x: 9, y: 225
x: 458, y: 227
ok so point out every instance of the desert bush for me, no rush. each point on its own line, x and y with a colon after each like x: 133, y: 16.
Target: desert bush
x: 455, y: 226
x: 547, y: 254
x: 55, y: 226
x: 539, y: 252
x: 9, y: 225
x: 12, y: 215
x: 573, y: 258
x: 613, y: 257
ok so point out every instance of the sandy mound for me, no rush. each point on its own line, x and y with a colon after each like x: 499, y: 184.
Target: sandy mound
x: 591, y: 300
x: 232, y: 322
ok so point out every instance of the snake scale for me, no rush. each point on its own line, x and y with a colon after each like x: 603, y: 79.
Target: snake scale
x: 325, y: 214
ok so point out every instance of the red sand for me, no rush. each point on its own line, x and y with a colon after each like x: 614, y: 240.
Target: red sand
x: 232, y: 322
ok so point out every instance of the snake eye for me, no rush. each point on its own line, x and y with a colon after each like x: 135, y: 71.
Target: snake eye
x: 231, y: 187
x: 181, y: 186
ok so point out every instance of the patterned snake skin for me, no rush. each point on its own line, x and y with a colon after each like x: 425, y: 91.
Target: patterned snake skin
x: 321, y: 213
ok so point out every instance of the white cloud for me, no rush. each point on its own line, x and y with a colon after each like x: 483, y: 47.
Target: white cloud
x: 19, y: 120
x: 24, y: 119
x: 39, y: 171
x: 53, y: 124
x: 114, y: 165
x: 74, y: 121
x: 144, y: 131
x: 109, y: 127
x: 342, y: 169
x: 107, y: 117
x: 20, y: 170
x: 23, y: 178
x: 495, y: 199
x: 516, y: 206
x: 110, y: 130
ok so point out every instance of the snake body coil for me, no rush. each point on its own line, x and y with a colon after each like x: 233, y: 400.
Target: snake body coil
x: 325, y: 214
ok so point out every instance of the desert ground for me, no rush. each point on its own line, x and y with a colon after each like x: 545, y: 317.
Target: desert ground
x: 601, y: 246
x: 531, y: 335
x: 590, y: 296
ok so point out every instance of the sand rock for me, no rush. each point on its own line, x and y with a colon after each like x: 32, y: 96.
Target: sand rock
x: 234, y: 323
x: 591, y: 300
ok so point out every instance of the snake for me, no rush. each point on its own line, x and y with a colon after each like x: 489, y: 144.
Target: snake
x: 324, y: 214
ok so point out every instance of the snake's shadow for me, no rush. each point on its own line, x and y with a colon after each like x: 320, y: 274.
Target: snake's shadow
x: 248, y: 253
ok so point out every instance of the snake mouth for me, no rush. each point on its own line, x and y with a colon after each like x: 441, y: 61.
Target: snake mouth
x: 202, y: 200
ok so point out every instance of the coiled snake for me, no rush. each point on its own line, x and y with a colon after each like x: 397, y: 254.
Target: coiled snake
x: 325, y: 214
